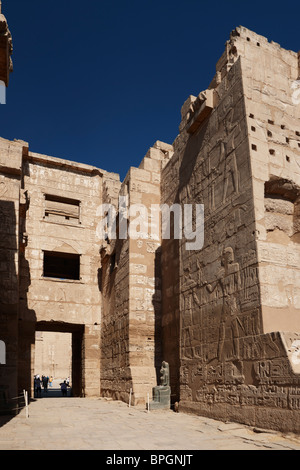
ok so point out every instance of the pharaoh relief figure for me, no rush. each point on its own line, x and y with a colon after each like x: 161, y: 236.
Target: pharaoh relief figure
x: 229, y: 281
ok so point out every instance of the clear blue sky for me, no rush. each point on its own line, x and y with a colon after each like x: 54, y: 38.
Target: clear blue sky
x: 100, y: 81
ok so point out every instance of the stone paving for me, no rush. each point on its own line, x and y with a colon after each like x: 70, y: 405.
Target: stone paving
x: 57, y: 423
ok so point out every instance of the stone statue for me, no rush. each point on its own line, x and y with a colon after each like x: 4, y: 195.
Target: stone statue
x: 164, y: 377
x: 162, y: 393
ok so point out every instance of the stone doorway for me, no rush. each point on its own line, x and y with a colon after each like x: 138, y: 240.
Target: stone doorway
x: 53, y: 355
x: 75, y: 333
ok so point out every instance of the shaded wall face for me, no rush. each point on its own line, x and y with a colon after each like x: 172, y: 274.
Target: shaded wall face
x: 219, y: 295
x: 9, y: 291
x: 170, y: 283
x: 115, y: 371
x: 11, y: 201
x: 113, y: 281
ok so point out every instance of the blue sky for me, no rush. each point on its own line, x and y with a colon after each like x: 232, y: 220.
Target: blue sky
x: 100, y: 81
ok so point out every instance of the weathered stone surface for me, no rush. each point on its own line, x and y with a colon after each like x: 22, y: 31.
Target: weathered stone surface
x: 242, y: 287
x: 225, y: 316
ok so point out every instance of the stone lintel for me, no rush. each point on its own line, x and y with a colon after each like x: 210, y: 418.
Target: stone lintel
x: 62, y: 163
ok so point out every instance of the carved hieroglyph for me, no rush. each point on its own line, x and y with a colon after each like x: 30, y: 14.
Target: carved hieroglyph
x: 225, y: 317
x: 239, y: 295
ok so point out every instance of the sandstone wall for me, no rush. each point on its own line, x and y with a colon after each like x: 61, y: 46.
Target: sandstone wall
x: 10, y: 190
x: 225, y: 315
x: 273, y: 112
x: 53, y: 355
x: 237, y: 360
x: 114, y: 275
x: 51, y: 300
x: 131, y: 336
x: 145, y: 278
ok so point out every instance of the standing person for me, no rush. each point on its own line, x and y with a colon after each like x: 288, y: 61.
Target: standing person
x: 45, y: 384
x: 50, y: 381
x: 64, y: 388
x: 37, y: 386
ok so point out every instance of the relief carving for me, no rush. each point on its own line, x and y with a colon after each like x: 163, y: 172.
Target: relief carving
x: 229, y: 281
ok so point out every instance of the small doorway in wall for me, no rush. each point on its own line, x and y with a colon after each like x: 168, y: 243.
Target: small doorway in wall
x: 58, y: 355
x: 53, y: 357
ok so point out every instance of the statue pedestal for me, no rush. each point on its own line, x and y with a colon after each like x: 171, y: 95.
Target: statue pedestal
x: 161, y: 398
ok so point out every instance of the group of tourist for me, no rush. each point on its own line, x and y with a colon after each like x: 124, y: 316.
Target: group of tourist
x: 44, y: 381
x: 39, y: 382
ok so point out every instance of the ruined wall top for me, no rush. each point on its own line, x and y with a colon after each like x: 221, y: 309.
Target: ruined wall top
x: 244, y: 34
x: 238, y: 45
x: 243, y: 44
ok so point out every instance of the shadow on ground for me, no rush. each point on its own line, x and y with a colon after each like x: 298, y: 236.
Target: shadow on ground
x: 52, y: 392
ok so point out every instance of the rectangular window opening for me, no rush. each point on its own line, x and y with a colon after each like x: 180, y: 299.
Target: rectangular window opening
x: 61, y: 265
x: 59, y: 209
